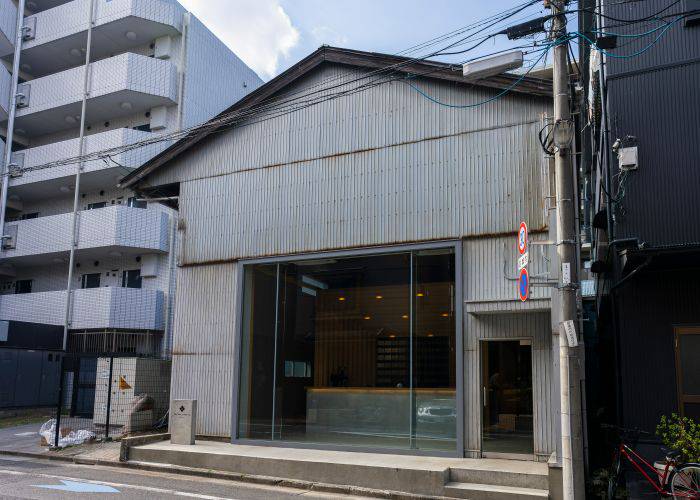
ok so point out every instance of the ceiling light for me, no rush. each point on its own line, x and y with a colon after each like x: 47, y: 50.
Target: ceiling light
x: 445, y: 315
x: 392, y: 336
x: 130, y: 35
x: 378, y: 297
x: 430, y: 335
x: 64, y: 189
x: 126, y: 105
x: 70, y: 119
x: 367, y: 317
x: 58, y: 260
x: 75, y: 52
x: 405, y: 316
x: 342, y: 299
x: 419, y: 294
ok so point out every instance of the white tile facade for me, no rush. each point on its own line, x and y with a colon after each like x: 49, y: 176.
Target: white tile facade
x: 8, y: 25
x: 179, y: 82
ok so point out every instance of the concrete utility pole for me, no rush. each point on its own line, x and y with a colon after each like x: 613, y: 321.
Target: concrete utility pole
x: 566, y: 199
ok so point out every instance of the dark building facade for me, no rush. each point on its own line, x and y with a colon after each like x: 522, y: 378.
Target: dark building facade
x: 641, y: 178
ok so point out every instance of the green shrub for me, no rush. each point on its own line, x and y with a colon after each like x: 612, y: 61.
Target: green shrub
x: 681, y: 435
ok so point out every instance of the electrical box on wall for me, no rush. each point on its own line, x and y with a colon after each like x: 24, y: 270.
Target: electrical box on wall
x: 159, y: 118
x: 627, y: 158
x: 163, y: 47
x: 149, y: 266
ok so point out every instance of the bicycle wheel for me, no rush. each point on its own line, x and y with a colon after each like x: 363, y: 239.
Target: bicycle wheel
x: 614, y: 476
x: 685, y: 482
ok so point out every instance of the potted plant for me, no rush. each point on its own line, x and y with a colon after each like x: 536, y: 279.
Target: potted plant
x: 679, y: 434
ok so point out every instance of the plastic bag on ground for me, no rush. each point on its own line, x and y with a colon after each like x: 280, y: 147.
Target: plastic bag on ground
x: 48, y: 432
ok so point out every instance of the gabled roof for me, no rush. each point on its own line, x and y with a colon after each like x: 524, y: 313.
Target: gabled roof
x: 371, y: 60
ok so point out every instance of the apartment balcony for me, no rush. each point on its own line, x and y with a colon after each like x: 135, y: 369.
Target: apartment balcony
x: 120, y: 86
x: 117, y: 228
x: 5, y: 86
x: 8, y: 26
x: 37, y: 184
x: 93, y: 308
x: 60, y: 34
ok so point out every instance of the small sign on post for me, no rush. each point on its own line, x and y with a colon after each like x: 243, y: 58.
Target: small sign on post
x: 523, y: 261
x: 570, y: 330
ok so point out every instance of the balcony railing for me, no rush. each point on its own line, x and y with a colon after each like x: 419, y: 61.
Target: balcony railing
x: 112, y: 228
x: 41, y: 155
x: 65, y: 26
x: 119, y: 86
x: 8, y: 26
x: 93, y: 308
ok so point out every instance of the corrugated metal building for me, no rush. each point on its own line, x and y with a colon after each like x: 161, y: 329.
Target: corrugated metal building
x: 647, y: 233
x: 272, y: 212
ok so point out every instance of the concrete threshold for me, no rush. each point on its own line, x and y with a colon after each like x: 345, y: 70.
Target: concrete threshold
x: 393, y: 475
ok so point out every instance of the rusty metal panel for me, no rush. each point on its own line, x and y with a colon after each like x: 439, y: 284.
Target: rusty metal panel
x: 481, y: 182
x: 385, y: 115
x: 203, y: 344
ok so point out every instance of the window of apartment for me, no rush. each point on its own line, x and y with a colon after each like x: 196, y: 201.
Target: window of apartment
x: 133, y: 201
x: 94, y: 206
x: 357, y: 351
x: 131, y: 278
x: 687, y: 344
x: 146, y: 127
x: 23, y: 286
x: 91, y: 280
x: 33, y: 215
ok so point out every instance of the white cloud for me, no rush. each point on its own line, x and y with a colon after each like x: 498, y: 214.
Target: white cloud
x: 258, y: 31
x: 324, y: 34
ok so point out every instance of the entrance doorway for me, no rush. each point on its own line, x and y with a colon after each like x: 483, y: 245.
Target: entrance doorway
x: 507, y: 397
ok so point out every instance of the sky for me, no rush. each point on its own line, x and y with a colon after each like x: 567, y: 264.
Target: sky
x: 272, y: 35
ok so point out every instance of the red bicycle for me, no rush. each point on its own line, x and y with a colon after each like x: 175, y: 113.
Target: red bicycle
x: 676, y: 480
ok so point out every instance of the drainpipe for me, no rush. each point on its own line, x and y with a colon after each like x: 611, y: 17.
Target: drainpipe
x: 11, y: 119
x: 76, y: 197
x: 167, y: 344
x: 183, y: 66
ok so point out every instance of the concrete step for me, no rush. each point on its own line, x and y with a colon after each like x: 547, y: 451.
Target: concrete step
x: 474, y: 491
x: 533, y: 475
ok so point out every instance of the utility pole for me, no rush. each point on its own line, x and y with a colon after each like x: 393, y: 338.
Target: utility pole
x: 566, y: 203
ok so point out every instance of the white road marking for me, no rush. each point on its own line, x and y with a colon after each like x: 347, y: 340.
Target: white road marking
x: 119, y: 485
x: 22, y: 434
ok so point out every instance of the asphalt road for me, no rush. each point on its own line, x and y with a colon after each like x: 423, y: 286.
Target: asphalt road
x: 35, y: 478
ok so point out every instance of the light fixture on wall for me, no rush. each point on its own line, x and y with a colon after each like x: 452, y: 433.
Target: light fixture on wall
x: 65, y: 189
x: 70, y: 119
x: 130, y: 35
x: 126, y: 106
x: 75, y: 52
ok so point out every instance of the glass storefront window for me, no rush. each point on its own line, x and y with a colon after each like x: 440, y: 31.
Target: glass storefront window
x: 356, y: 351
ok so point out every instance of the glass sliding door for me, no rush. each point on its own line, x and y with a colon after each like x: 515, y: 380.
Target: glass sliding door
x: 347, y: 351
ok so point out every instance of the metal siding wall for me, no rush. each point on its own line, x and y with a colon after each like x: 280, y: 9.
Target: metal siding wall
x: 675, y: 45
x: 445, y: 188
x: 203, y: 344
x: 376, y: 118
x: 667, y: 127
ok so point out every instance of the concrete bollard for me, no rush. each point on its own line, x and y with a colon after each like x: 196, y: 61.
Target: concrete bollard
x: 183, y: 421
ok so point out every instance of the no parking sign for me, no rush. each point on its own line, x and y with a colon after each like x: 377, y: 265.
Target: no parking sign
x: 523, y: 261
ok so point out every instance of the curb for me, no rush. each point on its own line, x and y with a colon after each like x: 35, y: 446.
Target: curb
x: 230, y: 476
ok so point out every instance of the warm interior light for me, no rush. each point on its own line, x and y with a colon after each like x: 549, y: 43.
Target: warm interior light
x: 431, y: 335
x: 405, y: 316
x: 392, y: 336
x: 379, y: 297
x: 445, y: 315
x: 419, y: 294
x: 341, y: 299
x: 367, y: 317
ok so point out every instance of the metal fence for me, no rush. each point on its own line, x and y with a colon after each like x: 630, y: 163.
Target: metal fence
x: 108, y: 397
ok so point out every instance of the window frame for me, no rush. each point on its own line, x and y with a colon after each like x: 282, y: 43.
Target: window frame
x: 682, y: 398
x: 455, y: 245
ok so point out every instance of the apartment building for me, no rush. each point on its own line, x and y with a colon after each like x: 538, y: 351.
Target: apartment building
x: 153, y: 69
